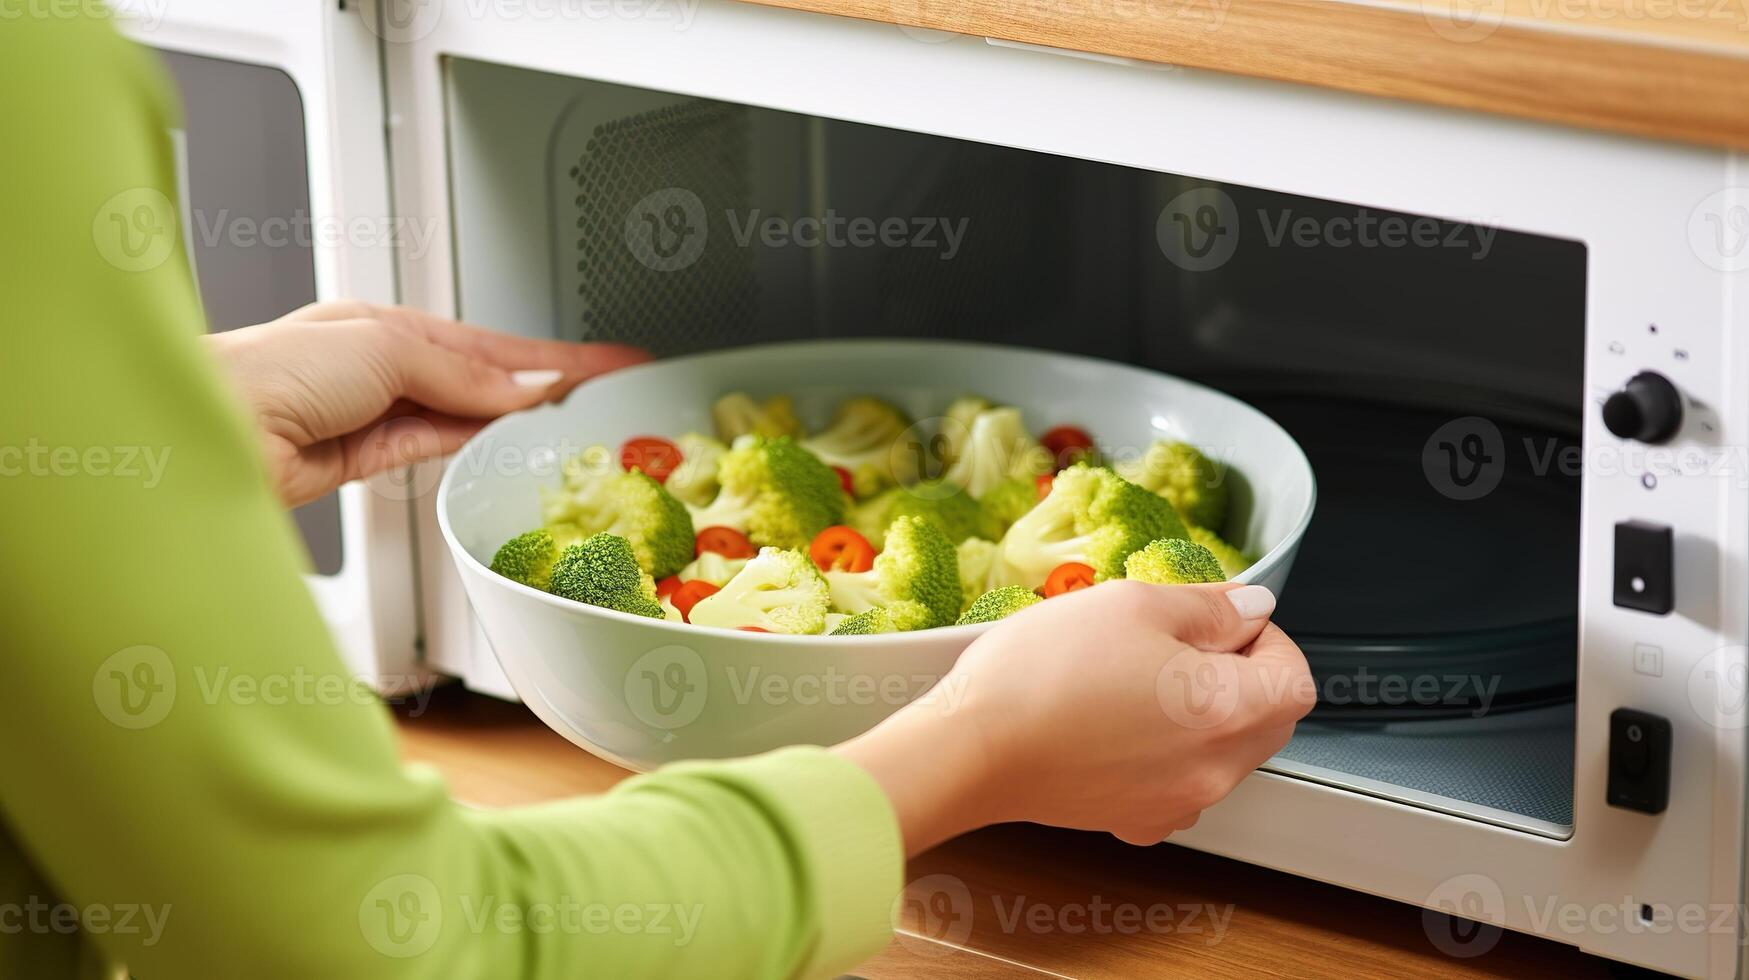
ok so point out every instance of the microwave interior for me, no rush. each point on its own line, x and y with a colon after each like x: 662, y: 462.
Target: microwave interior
x: 1442, y: 630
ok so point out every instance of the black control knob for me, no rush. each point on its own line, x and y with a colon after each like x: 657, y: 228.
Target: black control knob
x: 1648, y: 408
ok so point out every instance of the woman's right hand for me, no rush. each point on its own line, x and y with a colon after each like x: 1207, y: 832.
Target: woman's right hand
x: 1126, y: 707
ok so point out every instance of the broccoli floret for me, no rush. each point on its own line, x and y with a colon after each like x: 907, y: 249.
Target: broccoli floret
x: 712, y: 567
x: 951, y: 508
x: 997, y: 603
x: 1092, y: 516
x: 1178, y: 471
x: 866, y: 623
x: 775, y: 492
x: 861, y: 439
x: 603, y: 571
x: 778, y: 591
x: 1174, y: 561
x: 602, y: 497
x: 1233, y: 561
x: 916, y: 578
x: 527, y: 558
x: 565, y: 534
x: 976, y: 555
x: 999, y: 448
x: 956, y: 426
x: 1008, y: 501
x: 738, y: 415
x: 694, y: 481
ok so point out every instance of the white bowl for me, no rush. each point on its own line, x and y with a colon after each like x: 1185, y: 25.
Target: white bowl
x: 641, y: 692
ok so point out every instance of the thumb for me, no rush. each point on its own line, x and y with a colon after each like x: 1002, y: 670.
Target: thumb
x: 1220, y: 618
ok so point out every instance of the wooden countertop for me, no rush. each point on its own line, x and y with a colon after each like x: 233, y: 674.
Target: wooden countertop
x: 1674, y: 69
x: 1027, y: 901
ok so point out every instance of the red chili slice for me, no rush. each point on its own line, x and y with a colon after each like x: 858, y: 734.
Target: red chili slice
x: 1044, y: 483
x: 725, y: 541
x: 845, y: 480
x: 655, y: 456
x: 666, y: 587
x: 1068, y: 445
x: 752, y: 629
x: 689, y: 594
x: 1068, y: 577
x: 841, y: 549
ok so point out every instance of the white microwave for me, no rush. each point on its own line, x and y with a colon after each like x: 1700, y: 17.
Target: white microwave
x: 1512, y: 350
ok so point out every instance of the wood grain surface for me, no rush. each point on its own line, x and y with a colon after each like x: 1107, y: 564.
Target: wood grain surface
x: 1672, y: 69
x: 1026, y: 901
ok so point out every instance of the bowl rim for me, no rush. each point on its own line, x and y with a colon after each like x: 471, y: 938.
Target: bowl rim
x: 911, y: 637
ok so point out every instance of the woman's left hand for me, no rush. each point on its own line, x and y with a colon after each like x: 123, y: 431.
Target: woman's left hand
x: 340, y: 391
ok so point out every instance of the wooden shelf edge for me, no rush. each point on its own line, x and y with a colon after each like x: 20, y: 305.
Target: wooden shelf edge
x: 1652, y: 85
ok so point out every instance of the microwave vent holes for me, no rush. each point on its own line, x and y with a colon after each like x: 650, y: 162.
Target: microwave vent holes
x: 681, y: 165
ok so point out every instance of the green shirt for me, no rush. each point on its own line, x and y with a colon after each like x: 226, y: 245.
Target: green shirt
x: 150, y: 816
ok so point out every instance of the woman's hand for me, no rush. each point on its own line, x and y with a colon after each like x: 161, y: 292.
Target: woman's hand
x: 340, y: 391
x: 1126, y: 707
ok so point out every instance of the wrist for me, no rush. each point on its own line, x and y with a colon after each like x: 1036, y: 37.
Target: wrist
x: 936, y: 768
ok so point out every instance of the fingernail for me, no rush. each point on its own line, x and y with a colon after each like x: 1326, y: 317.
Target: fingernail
x: 545, y: 378
x: 1252, y: 601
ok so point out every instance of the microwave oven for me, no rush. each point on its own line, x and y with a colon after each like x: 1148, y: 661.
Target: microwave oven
x: 1512, y: 351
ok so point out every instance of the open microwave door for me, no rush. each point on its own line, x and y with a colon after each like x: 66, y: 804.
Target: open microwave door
x: 283, y: 170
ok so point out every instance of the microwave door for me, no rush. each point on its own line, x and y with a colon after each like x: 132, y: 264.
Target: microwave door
x: 274, y: 175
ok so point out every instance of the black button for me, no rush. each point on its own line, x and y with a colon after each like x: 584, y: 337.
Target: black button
x: 1643, y: 563
x: 1639, y: 761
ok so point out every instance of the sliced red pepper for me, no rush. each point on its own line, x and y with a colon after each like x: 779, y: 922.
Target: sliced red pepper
x: 1068, y: 577
x: 689, y: 594
x: 841, y: 549
x: 666, y: 587
x: 725, y: 541
x: 752, y: 629
x: 1068, y: 445
x: 845, y: 480
x: 654, y: 455
x: 1044, y: 483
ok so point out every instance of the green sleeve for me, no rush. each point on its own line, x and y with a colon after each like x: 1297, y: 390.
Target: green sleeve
x: 146, y: 572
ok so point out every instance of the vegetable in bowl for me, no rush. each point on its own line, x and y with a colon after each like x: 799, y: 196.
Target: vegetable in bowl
x: 762, y: 527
